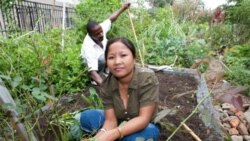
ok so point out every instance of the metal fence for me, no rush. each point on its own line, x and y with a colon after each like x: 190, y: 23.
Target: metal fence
x: 26, y: 16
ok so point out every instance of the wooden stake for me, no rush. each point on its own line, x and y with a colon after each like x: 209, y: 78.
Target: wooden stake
x: 191, y: 132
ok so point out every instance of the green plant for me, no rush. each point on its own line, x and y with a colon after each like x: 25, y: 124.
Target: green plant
x: 237, y: 59
x: 36, y: 70
x: 93, y: 99
x: 97, y: 10
x: 38, y: 62
x: 220, y: 36
x: 238, y: 16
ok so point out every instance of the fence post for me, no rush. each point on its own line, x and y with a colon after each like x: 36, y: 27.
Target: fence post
x: 1, y: 21
x: 18, y: 16
x: 36, y: 18
x: 63, y: 24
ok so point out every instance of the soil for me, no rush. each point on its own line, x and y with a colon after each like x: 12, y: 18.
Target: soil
x: 176, y: 92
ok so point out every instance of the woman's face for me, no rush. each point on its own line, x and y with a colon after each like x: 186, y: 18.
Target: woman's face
x: 120, y: 60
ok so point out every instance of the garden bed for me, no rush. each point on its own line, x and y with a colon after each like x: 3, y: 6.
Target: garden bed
x: 180, y: 90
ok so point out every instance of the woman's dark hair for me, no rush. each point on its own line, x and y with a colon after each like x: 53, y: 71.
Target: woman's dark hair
x: 90, y: 25
x: 125, y: 41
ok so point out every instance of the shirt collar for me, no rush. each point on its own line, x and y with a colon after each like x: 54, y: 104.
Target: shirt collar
x: 91, y: 41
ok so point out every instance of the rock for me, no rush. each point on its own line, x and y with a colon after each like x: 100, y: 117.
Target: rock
x: 240, y: 115
x: 226, y: 119
x: 236, y: 138
x: 227, y: 106
x: 225, y: 114
x: 234, y: 121
x: 230, y: 113
x: 247, y: 115
x: 228, y: 94
x: 226, y: 125
x: 242, y: 129
x: 246, y: 105
x: 233, y: 109
x: 246, y: 137
x: 233, y: 131
x: 218, y: 108
x: 237, y: 102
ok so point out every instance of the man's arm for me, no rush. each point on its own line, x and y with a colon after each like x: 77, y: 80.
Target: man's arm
x: 115, y: 15
x: 96, y: 77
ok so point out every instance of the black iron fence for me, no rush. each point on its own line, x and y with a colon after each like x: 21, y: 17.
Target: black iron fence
x: 26, y: 16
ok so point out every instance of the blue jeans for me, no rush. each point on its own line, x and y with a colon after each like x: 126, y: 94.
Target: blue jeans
x: 92, y: 120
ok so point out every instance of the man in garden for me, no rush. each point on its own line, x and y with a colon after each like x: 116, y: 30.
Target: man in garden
x: 94, y: 45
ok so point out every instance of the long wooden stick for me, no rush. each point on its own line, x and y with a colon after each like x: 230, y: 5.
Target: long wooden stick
x: 190, y: 131
x: 183, y: 122
x: 133, y: 29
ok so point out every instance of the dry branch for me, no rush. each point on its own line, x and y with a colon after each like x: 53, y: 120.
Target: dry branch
x: 191, y: 132
x: 183, y: 122
x: 182, y: 94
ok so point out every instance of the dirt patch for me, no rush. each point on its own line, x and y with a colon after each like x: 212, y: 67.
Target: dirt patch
x: 176, y: 91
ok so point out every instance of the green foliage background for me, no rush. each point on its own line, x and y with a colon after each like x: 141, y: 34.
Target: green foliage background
x: 238, y: 58
x: 160, y: 37
x: 38, y: 64
x: 238, y: 15
x: 35, y: 67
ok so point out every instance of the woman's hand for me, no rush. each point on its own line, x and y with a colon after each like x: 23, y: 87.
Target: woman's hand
x: 110, y: 135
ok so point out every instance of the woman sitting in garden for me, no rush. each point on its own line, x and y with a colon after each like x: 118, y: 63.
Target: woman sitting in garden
x: 130, y: 95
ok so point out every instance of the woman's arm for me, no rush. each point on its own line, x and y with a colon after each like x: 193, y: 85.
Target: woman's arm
x: 109, y: 123
x: 132, y: 126
x: 139, y: 122
x: 110, y: 119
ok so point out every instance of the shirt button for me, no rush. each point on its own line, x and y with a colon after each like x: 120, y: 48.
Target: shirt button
x: 128, y: 118
x: 125, y: 112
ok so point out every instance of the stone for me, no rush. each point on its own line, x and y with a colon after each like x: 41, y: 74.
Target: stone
x: 246, y: 137
x: 242, y: 129
x: 229, y: 93
x: 237, y: 102
x: 234, y: 121
x: 225, y: 114
x: 246, y: 106
x: 227, y: 106
x: 230, y: 113
x: 218, y: 108
x: 233, y: 131
x: 226, y: 125
x: 225, y: 119
x: 233, y: 109
x: 240, y: 115
x: 236, y: 138
x: 247, y: 115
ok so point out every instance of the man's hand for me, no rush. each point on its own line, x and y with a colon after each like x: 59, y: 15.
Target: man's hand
x: 96, y: 77
x: 115, y: 15
x: 126, y: 5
